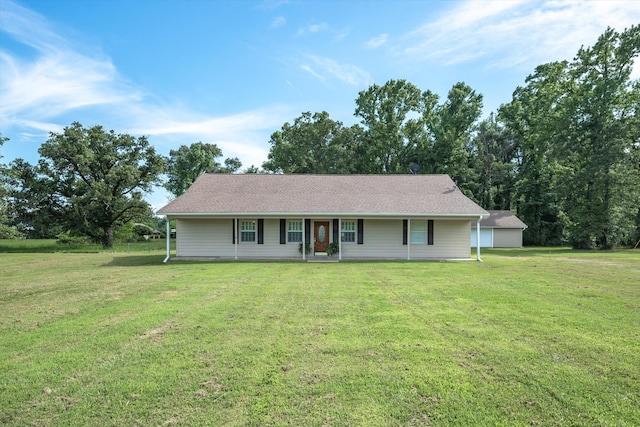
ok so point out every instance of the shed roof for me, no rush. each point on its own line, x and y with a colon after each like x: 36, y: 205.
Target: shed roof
x: 267, y: 194
x: 501, y: 219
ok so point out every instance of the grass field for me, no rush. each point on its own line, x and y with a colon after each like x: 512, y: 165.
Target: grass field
x: 528, y: 337
x: 52, y: 245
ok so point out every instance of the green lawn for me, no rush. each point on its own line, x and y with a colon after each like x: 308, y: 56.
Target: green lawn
x: 52, y: 245
x: 528, y: 337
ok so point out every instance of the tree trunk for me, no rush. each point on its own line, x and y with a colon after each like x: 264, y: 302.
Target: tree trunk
x: 107, y: 238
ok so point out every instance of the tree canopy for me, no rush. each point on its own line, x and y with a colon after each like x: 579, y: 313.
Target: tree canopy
x: 88, y: 181
x: 577, y: 126
x: 187, y: 163
x: 563, y: 154
x: 314, y: 143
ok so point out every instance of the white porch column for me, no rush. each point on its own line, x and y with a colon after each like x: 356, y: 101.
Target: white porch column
x: 340, y: 239
x: 478, y: 239
x: 304, y: 240
x: 408, y: 239
x: 235, y: 247
x: 168, y: 239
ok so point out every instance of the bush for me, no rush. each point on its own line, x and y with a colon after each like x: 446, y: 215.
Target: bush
x: 67, y: 238
x: 333, y: 249
x: 7, y: 232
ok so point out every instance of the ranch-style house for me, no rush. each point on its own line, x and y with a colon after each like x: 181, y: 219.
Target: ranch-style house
x: 350, y: 217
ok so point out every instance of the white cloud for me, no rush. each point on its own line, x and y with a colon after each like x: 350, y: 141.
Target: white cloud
x: 312, y: 28
x: 241, y: 135
x: 59, y: 79
x: 378, y: 41
x: 38, y: 91
x: 346, y: 73
x: 278, y: 22
x: 512, y: 33
x: 308, y: 69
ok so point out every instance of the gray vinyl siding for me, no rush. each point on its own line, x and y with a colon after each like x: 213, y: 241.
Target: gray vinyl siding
x: 507, y: 238
x: 382, y: 240
x: 213, y: 238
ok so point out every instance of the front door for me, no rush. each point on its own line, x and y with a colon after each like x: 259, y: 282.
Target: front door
x: 321, y: 236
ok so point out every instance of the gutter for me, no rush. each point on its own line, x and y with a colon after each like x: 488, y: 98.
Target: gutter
x: 322, y: 215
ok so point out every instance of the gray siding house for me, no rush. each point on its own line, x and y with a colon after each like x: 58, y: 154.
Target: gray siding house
x: 260, y: 216
x: 502, y: 229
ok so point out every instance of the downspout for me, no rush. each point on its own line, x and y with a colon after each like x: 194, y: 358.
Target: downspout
x: 168, y: 240
x: 478, y: 239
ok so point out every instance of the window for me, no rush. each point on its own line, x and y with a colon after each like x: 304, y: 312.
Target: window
x: 247, y: 231
x: 418, y: 232
x: 294, y: 231
x: 348, y: 231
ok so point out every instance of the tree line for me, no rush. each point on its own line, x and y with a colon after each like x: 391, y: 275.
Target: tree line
x: 563, y: 154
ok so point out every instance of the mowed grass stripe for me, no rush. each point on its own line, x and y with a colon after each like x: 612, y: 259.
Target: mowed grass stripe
x: 120, y: 339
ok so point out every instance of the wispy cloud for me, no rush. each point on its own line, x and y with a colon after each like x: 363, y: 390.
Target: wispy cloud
x: 312, y: 28
x: 58, y: 76
x: 272, y: 4
x: 346, y: 73
x: 512, y: 33
x: 238, y: 135
x: 278, y: 22
x: 377, y: 41
x: 59, y: 79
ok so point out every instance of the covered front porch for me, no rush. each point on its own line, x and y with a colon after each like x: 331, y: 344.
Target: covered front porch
x: 248, y: 237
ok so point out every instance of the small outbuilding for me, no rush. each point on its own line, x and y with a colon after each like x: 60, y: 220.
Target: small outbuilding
x: 269, y: 216
x: 501, y: 229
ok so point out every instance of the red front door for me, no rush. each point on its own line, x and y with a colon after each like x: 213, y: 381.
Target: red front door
x: 321, y: 236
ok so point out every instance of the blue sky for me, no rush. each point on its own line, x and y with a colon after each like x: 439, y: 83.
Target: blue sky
x: 233, y: 72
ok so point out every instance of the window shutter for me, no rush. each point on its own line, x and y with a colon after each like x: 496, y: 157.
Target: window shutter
x: 336, y: 230
x: 261, y: 231
x: 233, y: 231
x: 283, y: 231
x: 430, y: 232
x: 307, y: 230
x: 360, y: 231
x: 405, y: 228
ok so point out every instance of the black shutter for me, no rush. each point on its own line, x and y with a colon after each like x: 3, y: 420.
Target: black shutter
x: 233, y: 231
x: 283, y: 231
x: 307, y: 230
x: 360, y: 231
x: 430, y: 232
x: 336, y: 231
x: 405, y: 229
x: 261, y: 231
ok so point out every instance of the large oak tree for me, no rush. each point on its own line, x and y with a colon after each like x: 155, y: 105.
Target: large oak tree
x: 99, y: 177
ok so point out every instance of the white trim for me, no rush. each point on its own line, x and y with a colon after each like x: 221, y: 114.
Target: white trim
x: 321, y: 215
x: 354, y: 231
x: 408, y: 239
x: 426, y: 232
x: 237, y: 237
x: 478, y: 239
x: 304, y: 240
x: 289, y: 230
x: 339, y: 239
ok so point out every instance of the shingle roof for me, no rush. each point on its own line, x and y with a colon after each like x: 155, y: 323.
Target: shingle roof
x: 220, y: 194
x: 501, y: 219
